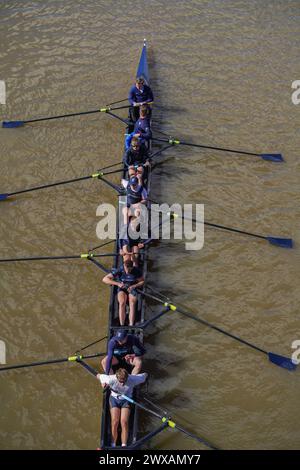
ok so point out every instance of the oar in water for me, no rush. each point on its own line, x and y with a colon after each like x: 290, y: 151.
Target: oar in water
x: 281, y: 242
x: 163, y: 418
x: 272, y: 157
x: 73, y: 358
x: 276, y: 359
x: 98, y: 175
x: 55, y: 258
x: 106, y: 109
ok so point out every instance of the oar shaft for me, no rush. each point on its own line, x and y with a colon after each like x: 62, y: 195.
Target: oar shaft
x: 155, y: 154
x: 50, y: 185
x: 118, y: 117
x: 51, y: 361
x: 220, y: 330
x: 62, y: 116
x: 203, y: 322
x: 221, y: 149
x: 223, y: 227
x: 55, y: 258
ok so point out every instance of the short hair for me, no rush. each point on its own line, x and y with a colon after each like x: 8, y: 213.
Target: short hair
x: 135, y: 141
x: 122, y: 375
x: 140, y: 80
x: 143, y: 110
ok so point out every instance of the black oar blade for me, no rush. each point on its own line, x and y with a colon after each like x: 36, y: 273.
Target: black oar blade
x: 282, y: 242
x: 272, y: 157
x: 3, y: 196
x: 282, y: 361
x: 12, y: 124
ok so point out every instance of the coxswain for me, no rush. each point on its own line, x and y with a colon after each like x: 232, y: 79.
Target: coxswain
x: 139, y: 94
x: 120, y: 384
x: 128, y: 278
x: 124, y: 350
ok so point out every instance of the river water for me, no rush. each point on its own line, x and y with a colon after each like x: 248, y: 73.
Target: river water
x: 222, y: 73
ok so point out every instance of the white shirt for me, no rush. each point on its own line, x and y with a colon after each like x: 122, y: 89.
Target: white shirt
x: 127, y: 388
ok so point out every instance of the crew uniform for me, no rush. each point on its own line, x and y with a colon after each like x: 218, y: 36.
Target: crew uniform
x: 133, y: 157
x: 144, y: 95
x: 117, y: 389
x: 119, y: 351
x: 135, y: 193
x: 129, y: 279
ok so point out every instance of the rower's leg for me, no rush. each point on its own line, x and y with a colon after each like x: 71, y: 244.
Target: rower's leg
x: 125, y: 212
x: 135, y: 256
x: 132, y: 305
x: 115, y: 414
x: 125, y: 413
x: 122, y: 298
x: 139, y: 174
x: 137, y: 363
x: 114, y: 362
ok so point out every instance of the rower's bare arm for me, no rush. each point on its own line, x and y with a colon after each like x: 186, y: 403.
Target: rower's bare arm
x: 139, y: 283
x: 109, y: 280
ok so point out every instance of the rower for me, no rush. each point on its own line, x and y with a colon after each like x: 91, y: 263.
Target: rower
x: 129, y: 246
x: 136, y: 195
x: 120, y: 383
x: 128, y: 278
x: 142, y: 127
x: 139, y: 94
x: 123, y: 350
x: 136, y: 158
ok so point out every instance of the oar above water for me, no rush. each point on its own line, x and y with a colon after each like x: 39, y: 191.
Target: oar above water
x: 277, y: 241
x: 106, y: 109
x: 98, y: 175
x: 88, y: 256
x: 73, y: 358
x: 271, y: 157
x: 278, y: 360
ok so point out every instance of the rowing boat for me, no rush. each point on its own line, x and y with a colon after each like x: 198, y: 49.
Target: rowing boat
x: 113, y: 319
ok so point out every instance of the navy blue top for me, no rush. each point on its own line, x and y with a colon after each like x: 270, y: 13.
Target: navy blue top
x: 132, y: 346
x: 142, y: 126
x: 140, y: 96
x: 132, y: 157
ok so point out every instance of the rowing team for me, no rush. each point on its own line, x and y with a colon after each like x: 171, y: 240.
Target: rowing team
x: 125, y: 350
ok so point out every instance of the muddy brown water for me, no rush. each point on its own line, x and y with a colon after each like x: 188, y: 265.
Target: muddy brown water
x: 222, y: 74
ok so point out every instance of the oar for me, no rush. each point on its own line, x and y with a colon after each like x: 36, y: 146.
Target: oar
x: 91, y: 344
x: 51, y: 361
x: 163, y: 418
x: 117, y: 102
x: 272, y: 157
x: 282, y: 242
x: 98, y: 175
x: 106, y: 109
x: 276, y: 359
x: 55, y: 258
